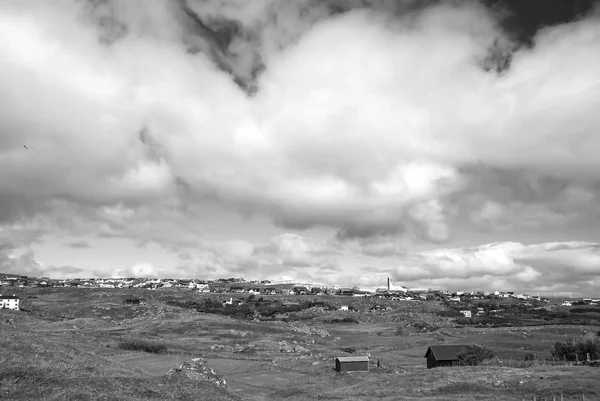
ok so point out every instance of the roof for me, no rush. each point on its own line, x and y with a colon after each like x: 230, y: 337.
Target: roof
x: 9, y: 297
x: 353, y: 358
x: 445, y: 352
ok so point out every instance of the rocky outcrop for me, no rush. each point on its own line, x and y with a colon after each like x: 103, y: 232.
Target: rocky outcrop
x: 198, y: 369
x: 309, y: 330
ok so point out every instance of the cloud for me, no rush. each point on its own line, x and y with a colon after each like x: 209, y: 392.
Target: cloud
x: 545, y: 267
x: 78, y: 244
x: 146, y: 270
x: 26, y: 264
x: 330, y: 115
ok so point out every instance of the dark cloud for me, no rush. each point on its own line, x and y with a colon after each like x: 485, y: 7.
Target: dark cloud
x: 524, y: 18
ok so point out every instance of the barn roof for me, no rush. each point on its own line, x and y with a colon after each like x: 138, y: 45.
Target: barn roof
x: 445, y: 352
x: 353, y: 358
x: 8, y: 296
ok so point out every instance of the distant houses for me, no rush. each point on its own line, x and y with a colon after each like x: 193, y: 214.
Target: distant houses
x: 466, y: 313
x: 10, y: 302
x: 443, y: 355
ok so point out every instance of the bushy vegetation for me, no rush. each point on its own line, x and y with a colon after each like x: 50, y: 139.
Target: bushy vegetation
x: 521, y: 315
x: 473, y: 355
x: 577, y: 349
x: 261, y: 308
x: 139, y: 345
x: 588, y: 309
x: 347, y: 320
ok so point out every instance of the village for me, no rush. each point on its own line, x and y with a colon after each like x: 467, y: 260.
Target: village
x: 266, y: 287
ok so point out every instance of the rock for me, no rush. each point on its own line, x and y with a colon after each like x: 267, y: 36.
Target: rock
x: 198, y: 369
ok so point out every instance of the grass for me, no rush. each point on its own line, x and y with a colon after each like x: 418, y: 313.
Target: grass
x: 35, y: 367
x: 43, y: 356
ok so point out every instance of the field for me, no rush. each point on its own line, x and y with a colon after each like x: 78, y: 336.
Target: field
x: 68, y: 347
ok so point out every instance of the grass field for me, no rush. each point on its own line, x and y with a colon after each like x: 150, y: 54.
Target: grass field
x: 67, y: 348
x: 154, y: 365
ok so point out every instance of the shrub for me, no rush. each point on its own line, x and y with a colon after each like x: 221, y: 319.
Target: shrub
x: 139, y: 345
x: 343, y: 320
x: 529, y: 357
x: 574, y: 349
x: 590, y: 309
x: 473, y: 355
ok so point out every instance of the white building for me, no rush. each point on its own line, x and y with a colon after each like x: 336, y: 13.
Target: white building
x: 9, y: 302
x: 466, y: 313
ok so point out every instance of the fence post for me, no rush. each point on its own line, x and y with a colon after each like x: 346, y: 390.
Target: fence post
x: 561, y: 396
x: 534, y: 398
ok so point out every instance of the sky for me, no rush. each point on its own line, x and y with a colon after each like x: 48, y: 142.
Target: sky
x: 444, y: 144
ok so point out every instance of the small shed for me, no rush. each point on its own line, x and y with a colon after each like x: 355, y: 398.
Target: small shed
x: 352, y: 364
x: 443, y: 355
x: 134, y: 301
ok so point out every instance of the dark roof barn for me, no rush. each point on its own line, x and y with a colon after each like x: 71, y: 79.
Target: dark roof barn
x: 443, y: 355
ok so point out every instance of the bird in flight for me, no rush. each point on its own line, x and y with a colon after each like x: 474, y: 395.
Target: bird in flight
x: 25, y: 146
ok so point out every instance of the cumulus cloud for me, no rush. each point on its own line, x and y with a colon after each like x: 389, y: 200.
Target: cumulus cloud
x: 545, y: 267
x: 372, y: 119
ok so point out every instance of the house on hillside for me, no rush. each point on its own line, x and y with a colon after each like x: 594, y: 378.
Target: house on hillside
x: 466, y: 313
x: 352, y: 364
x: 443, y: 355
x: 301, y: 290
x: 10, y: 302
x: 269, y: 291
x: 219, y: 289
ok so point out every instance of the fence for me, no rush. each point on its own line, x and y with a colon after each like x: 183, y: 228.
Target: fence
x: 561, y: 397
x: 553, y: 361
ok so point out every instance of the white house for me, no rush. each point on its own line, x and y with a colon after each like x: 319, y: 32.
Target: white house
x: 9, y: 302
x: 344, y: 307
x: 566, y: 303
x: 466, y: 313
